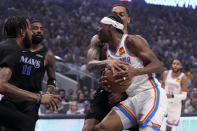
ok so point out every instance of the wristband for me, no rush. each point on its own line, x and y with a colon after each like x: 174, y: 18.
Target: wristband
x: 39, y: 98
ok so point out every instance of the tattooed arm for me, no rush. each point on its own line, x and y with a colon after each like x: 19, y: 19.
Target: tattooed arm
x: 94, y: 53
x: 95, y: 64
x: 12, y: 91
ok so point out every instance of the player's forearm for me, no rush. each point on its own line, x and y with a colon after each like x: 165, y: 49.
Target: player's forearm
x: 181, y: 96
x: 14, y: 92
x: 148, y: 69
x: 5, y: 74
x: 96, y: 66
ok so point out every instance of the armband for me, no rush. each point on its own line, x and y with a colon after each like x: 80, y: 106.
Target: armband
x: 39, y: 98
x: 51, y: 82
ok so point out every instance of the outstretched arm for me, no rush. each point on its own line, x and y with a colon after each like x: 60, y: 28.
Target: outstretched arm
x: 12, y: 91
x: 15, y: 92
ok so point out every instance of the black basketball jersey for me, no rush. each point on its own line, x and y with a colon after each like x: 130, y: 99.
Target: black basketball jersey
x: 30, y: 70
x: 9, y: 53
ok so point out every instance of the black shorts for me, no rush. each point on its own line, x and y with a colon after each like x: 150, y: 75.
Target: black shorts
x: 13, y: 119
x: 99, y: 107
x: 29, y: 109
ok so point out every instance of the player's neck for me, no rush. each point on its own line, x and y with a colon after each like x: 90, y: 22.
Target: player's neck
x: 116, y: 38
x: 36, y: 47
x: 125, y: 30
x: 18, y: 41
x: 176, y: 74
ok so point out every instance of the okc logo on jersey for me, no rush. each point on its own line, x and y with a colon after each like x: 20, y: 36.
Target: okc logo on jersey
x: 121, y: 51
x: 126, y: 59
x: 178, y: 80
x: 27, y: 60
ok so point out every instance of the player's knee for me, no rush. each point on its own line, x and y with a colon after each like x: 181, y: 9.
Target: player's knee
x: 101, y: 127
x: 87, y: 127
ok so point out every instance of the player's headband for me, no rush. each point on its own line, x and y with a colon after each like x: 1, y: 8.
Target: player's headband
x: 109, y: 21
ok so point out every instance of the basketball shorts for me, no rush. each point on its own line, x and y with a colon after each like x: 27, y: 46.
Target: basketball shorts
x: 147, y: 108
x: 173, y: 113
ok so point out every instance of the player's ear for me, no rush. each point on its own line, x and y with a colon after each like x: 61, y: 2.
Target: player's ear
x: 128, y: 20
x: 111, y: 28
x: 22, y: 33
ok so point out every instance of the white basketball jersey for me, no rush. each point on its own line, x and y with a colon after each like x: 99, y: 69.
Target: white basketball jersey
x: 138, y: 83
x: 173, y: 85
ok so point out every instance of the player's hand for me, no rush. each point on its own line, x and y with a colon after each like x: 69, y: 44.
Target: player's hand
x: 114, y: 98
x: 51, y: 100
x: 127, y: 73
x: 114, y: 65
x: 104, y: 84
x: 169, y: 95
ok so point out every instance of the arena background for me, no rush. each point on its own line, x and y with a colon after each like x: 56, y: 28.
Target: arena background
x: 168, y: 25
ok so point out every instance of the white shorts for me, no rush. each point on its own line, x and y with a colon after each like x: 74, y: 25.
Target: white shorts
x: 147, y: 108
x: 173, y: 113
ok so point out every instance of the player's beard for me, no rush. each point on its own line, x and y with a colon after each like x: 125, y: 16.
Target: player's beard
x: 27, y: 42
x: 176, y: 71
x: 36, y: 39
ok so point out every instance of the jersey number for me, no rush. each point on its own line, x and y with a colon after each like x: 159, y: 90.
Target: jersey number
x: 26, y: 70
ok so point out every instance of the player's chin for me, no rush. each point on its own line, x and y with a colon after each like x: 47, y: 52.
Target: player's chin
x: 175, y: 70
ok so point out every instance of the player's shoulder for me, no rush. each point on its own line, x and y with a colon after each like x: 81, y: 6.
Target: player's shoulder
x: 166, y: 72
x: 136, y: 39
x: 184, y: 76
x: 9, y: 46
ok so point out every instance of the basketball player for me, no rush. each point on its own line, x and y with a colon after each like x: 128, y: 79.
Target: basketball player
x: 146, y: 102
x: 103, y: 100
x: 175, y: 83
x: 18, y: 31
x: 46, y: 56
x: 30, y: 72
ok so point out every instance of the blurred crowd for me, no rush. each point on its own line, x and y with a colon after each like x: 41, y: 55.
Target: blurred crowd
x: 70, y: 24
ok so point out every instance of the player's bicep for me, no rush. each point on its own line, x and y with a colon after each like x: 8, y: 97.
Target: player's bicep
x: 143, y: 51
x: 94, y: 51
x: 184, y: 84
x: 93, y: 54
x: 5, y: 74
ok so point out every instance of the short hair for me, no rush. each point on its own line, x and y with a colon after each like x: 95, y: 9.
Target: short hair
x: 115, y: 17
x: 13, y: 25
x: 176, y: 58
x: 33, y: 20
x: 126, y: 8
x: 61, y: 90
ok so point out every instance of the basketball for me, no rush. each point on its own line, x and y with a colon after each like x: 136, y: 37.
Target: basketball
x: 115, y: 87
